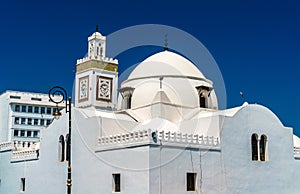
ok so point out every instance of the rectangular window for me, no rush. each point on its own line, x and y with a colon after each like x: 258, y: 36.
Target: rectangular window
x: 17, y: 108
x: 116, y: 182
x: 29, y: 133
x: 23, y: 120
x: 15, y: 97
x: 22, y: 184
x: 29, y: 121
x: 35, y: 122
x: 30, y: 109
x: 42, y: 110
x: 49, y: 111
x: 42, y: 122
x: 23, y: 108
x: 16, y: 133
x: 36, y: 99
x: 48, y: 122
x: 17, y: 120
x: 22, y: 133
x: 35, y: 133
x: 36, y: 109
x: 191, y: 180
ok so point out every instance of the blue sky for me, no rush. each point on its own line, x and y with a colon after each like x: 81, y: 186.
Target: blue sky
x: 255, y: 43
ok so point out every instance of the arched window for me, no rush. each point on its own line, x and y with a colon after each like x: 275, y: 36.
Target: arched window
x: 126, y: 93
x: 61, y: 148
x: 202, y: 101
x: 129, y: 101
x: 68, y: 142
x: 204, y: 93
x: 263, y: 148
x: 254, y: 144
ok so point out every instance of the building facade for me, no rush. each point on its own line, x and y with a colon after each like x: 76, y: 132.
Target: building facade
x: 24, y: 115
x: 160, y: 132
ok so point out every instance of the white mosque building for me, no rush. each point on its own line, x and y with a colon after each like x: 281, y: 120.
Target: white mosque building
x: 161, y: 132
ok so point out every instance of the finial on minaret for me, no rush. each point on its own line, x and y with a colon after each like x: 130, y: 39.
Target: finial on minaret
x: 97, y: 28
x: 166, y: 42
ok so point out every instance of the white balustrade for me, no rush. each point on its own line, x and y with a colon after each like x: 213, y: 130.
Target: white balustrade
x: 167, y: 138
x: 6, y: 146
x: 23, y: 155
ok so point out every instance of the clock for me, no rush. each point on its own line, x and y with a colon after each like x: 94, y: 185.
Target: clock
x: 83, y: 89
x: 104, y: 89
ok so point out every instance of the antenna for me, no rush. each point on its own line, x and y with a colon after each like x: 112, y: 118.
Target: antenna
x: 242, y: 95
x: 97, y: 28
x: 166, y: 42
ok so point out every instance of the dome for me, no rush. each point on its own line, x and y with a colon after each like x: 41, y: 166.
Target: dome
x: 166, y: 85
x: 165, y: 64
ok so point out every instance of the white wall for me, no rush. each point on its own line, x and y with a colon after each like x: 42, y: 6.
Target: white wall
x: 280, y: 174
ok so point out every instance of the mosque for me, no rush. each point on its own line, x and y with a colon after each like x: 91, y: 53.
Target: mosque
x: 160, y: 132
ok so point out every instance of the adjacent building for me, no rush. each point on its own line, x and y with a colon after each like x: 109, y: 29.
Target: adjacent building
x: 24, y: 115
x: 160, y: 132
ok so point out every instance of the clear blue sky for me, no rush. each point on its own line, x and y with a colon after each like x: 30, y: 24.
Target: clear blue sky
x: 255, y: 43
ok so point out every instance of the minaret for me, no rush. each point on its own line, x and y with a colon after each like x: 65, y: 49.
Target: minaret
x: 96, y: 45
x: 96, y: 76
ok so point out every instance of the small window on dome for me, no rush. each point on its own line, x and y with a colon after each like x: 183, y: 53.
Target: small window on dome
x: 203, y: 93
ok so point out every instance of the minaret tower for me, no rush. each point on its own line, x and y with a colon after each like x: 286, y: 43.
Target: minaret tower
x: 96, y: 76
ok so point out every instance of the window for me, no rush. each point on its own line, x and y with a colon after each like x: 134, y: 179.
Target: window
x: 15, y: 97
x: 16, y: 133
x: 254, y: 141
x: 262, y: 147
x: 36, y: 99
x: 42, y: 110
x: 23, y: 108
x: 259, y: 147
x: 35, y: 122
x: 30, y: 109
x: 61, y: 148
x: 29, y: 133
x: 42, y: 122
x: 17, y: 108
x: 49, y: 111
x: 35, y: 133
x: 23, y: 121
x: 191, y: 181
x: 22, y: 184
x: 116, y: 182
x: 127, y: 97
x: 68, y: 144
x: 48, y: 122
x: 29, y: 121
x: 36, y: 109
x: 22, y: 133
x: 54, y: 109
x: 17, y: 120
x: 203, y: 93
x: 202, y: 101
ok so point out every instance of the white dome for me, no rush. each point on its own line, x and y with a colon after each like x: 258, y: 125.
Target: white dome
x: 165, y: 64
x: 166, y: 85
